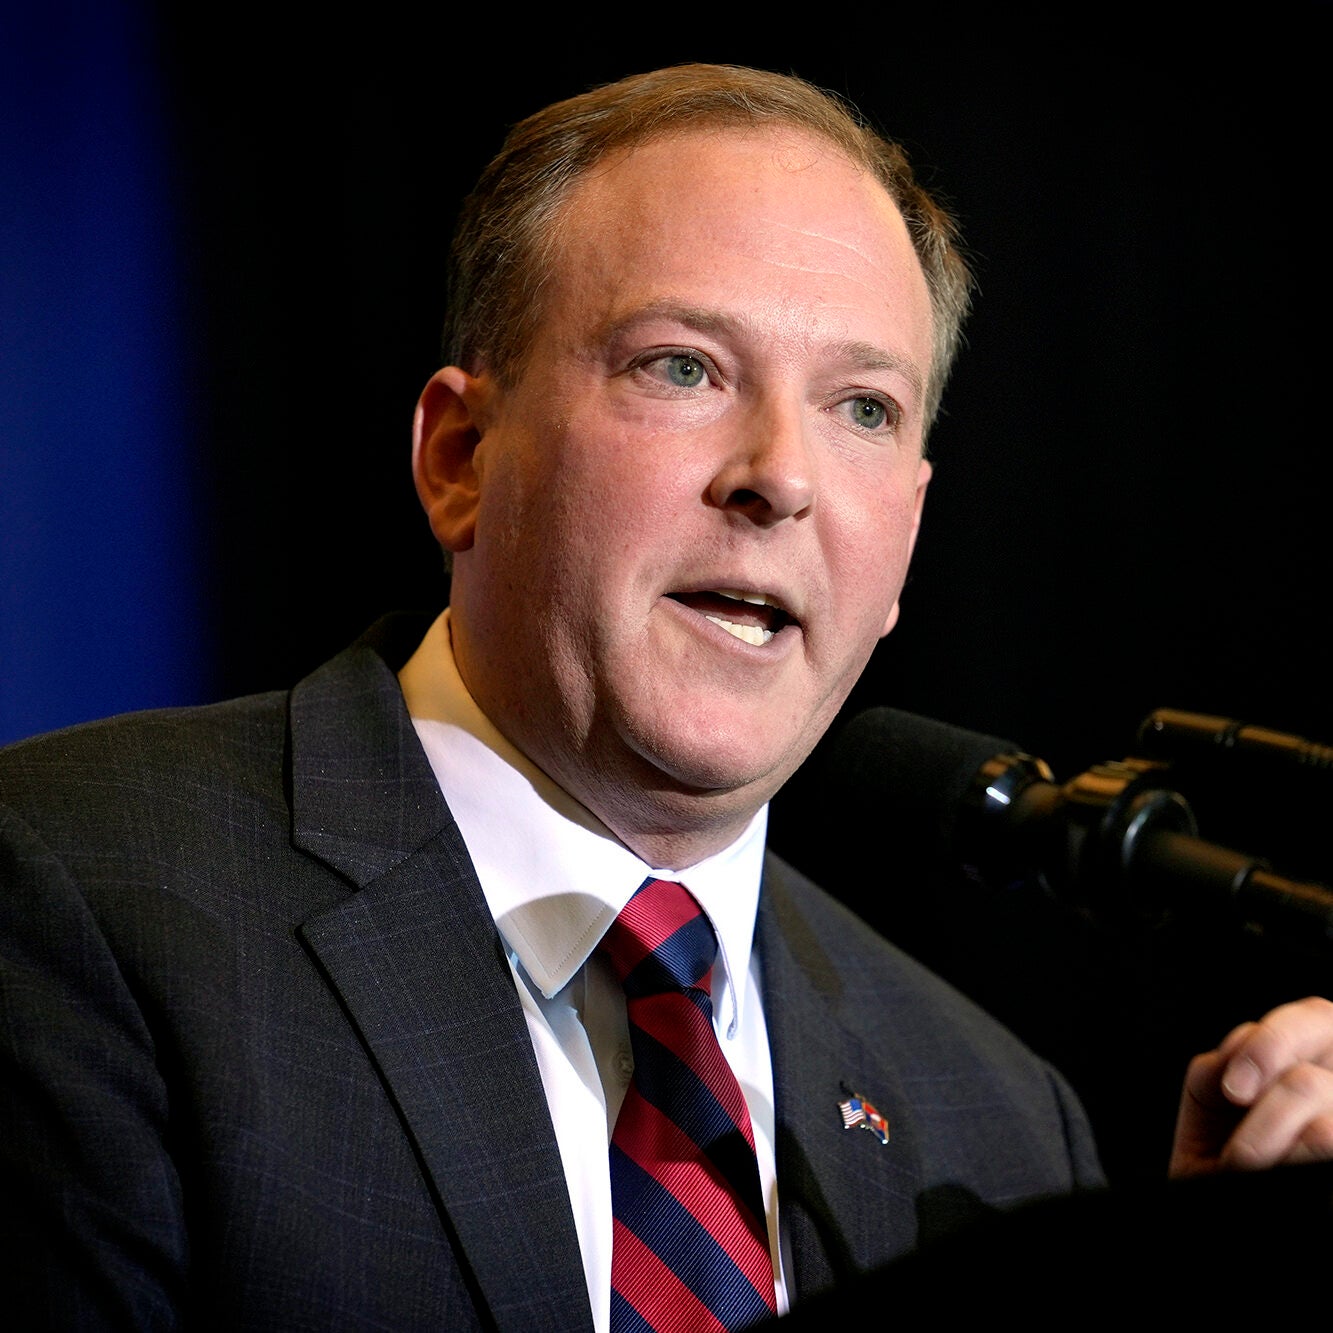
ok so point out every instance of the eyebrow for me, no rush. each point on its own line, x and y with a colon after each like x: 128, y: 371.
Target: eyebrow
x: 699, y: 318
x: 867, y: 356
x: 855, y: 352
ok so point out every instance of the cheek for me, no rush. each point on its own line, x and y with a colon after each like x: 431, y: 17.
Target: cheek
x: 869, y: 556
x: 616, y: 487
x: 874, y: 528
x: 559, y: 515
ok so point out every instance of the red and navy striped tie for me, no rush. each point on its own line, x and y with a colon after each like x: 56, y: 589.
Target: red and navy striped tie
x: 690, y: 1249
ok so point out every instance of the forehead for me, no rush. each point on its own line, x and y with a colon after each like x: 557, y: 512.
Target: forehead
x: 746, y: 218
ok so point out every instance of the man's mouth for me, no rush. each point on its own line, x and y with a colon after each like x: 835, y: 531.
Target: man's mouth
x: 752, y: 617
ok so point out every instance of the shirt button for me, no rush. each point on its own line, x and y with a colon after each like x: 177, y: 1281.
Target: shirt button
x: 624, y: 1064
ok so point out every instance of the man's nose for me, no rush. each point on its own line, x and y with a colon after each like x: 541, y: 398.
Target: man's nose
x: 767, y: 473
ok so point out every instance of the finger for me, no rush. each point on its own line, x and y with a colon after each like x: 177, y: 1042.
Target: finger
x: 1291, y: 1122
x: 1256, y: 1055
x: 1203, y: 1082
x: 1205, y: 1121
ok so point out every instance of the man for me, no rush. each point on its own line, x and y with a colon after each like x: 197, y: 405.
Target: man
x: 305, y: 1020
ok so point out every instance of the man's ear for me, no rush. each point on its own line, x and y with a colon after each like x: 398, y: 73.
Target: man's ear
x: 445, y: 434
x: 922, y: 481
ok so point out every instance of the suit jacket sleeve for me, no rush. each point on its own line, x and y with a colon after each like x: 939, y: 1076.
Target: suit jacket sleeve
x: 91, y: 1220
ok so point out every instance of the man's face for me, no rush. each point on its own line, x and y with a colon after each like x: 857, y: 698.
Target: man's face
x: 687, y: 524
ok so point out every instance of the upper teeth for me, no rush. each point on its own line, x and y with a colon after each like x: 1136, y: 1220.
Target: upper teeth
x: 754, y: 598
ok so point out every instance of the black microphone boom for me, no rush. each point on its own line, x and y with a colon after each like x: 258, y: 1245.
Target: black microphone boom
x: 1173, y: 734
x: 1117, y: 841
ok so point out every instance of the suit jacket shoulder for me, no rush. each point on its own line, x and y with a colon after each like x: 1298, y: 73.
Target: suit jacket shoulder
x: 262, y: 1063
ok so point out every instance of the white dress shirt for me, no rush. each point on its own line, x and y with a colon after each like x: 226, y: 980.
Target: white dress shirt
x: 555, y: 878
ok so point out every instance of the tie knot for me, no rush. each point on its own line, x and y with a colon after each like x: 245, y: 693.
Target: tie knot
x: 661, y: 941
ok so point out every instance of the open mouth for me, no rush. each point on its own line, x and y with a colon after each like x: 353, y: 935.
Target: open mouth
x: 751, y: 616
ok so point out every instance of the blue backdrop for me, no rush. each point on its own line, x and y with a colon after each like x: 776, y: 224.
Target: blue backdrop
x: 100, y: 539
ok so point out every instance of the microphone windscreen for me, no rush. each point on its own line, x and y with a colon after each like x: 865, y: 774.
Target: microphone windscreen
x: 910, y: 772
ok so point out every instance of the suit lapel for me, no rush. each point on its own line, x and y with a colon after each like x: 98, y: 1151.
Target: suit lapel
x: 847, y: 1201
x: 415, y: 959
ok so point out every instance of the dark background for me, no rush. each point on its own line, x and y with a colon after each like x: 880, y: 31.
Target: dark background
x: 1128, y: 509
x: 1129, y: 504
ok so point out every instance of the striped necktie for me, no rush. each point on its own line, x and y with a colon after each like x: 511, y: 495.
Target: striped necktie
x: 690, y: 1248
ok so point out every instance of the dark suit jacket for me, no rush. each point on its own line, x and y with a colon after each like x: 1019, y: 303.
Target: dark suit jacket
x: 263, y: 1065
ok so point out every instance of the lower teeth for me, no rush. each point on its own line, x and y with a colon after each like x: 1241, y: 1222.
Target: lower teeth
x: 752, y: 634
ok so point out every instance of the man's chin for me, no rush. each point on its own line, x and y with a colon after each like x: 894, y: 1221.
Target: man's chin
x: 675, y: 797
x: 719, y: 766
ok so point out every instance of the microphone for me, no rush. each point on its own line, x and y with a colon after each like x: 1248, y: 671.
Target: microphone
x: 1171, y: 733
x: 1116, y: 841
x: 916, y: 771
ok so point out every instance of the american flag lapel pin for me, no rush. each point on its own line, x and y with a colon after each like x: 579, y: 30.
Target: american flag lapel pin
x: 858, y: 1113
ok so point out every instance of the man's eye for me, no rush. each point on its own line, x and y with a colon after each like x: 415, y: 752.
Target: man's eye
x: 685, y: 371
x: 869, y: 413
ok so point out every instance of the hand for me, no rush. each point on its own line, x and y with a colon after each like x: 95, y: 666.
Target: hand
x: 1263, y: 1098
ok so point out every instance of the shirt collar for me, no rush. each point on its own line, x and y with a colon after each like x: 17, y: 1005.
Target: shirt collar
x: 553, y: 874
